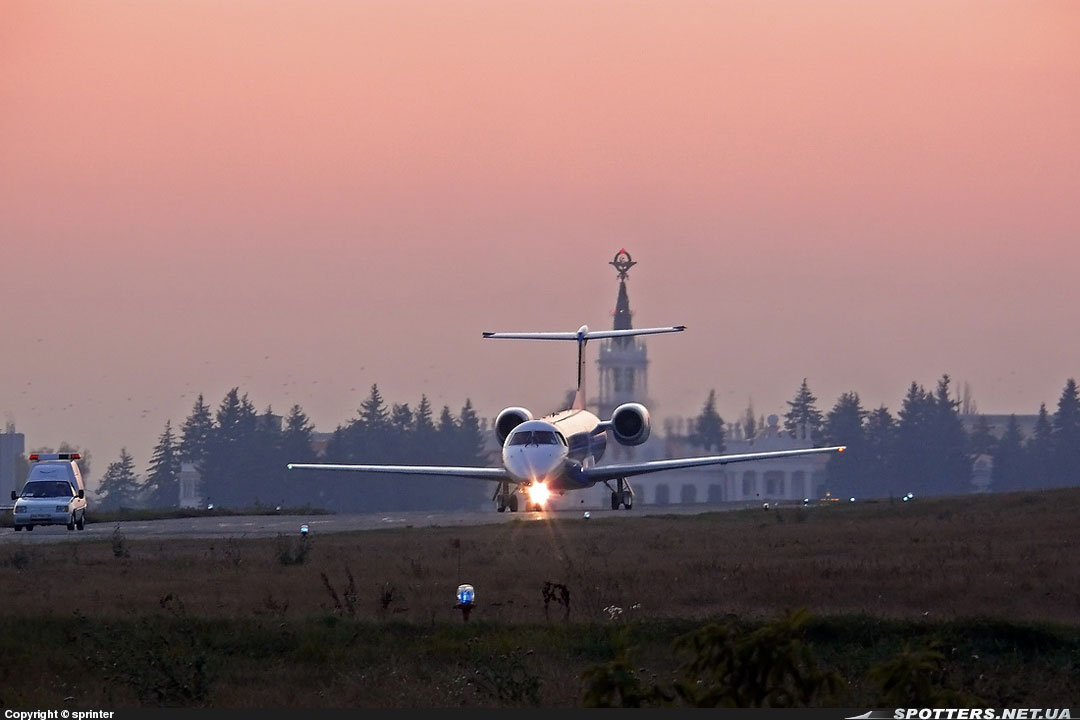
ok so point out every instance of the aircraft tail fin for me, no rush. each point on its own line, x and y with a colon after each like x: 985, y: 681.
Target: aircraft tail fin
x: 582, y: 336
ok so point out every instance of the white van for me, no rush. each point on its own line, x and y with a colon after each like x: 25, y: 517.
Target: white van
x: 54, y: 493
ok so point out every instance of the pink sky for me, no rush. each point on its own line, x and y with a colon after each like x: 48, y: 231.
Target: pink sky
x: 303, y: 198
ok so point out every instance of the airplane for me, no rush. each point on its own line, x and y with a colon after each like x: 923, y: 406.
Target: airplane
x: 560, y: 452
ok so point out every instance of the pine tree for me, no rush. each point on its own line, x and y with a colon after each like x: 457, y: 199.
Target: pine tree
x: 844, y: 425
x: 952, y: 472
x: 228, y: 475
x: 470, y: 440
x: 446, y: 436
x: 879, y: 455
x: 1040, y: 450
x: 370, y: 433
x: 709, y: 427
x: 373, y: 412
x: 1008, y: 471
x: 401, y: 419
x: 423, y: 432
x: 296, y: 439
x: 265, y: 476
x: 1066, y: 438
x: 914, y: 442
x: 162, y: 486
x: 981, y: 440
x: 195, y: 434
x: 236, y: 417
x: 424, y: 426
x: 803, y: 412
x: 749, y: 424
x: 119, y: 487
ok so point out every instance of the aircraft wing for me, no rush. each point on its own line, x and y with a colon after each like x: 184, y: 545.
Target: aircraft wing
x: 600, y: 473
x: 479, y: 473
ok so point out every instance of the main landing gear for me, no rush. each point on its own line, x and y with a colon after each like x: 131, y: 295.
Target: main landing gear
x: 505, y: 499
x: 622, y: 494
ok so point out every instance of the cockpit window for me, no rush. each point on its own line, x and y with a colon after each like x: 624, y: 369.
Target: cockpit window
x: 537, y: 437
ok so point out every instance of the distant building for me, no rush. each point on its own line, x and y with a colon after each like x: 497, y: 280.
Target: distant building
x: 319, y: 441
x: 791, y: 479
x: 998, y: 423
x: 623, y: 363
x: 12, y: 448
x: 623, y: 369
x: 189, y: 486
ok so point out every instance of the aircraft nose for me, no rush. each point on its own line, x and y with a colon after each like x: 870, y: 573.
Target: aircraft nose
x: 531, y: 463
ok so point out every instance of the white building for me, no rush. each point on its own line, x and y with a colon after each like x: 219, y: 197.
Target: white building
x: 189, y: 486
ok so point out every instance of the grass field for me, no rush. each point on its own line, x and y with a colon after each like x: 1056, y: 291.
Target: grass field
x: 367, y: 619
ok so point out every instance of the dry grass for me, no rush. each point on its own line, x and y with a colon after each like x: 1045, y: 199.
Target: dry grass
x: 994, y: 556
x: 280, y: 622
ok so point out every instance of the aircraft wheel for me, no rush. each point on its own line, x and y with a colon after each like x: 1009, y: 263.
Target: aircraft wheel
x: 80, y: 524
x: 614, y: 501
x: 628, y: 500
x: 500, y: 504
x: 513, y: 503
x: 71, y: 523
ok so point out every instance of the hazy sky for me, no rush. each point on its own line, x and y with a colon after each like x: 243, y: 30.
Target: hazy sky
x: 305, y: 198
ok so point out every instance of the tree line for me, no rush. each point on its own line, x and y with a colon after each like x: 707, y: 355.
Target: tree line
x: 241, y: 454
x: 241, y: 457
x: 925, y: 448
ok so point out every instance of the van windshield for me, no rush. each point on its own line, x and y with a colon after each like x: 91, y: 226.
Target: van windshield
x: 48, y: 489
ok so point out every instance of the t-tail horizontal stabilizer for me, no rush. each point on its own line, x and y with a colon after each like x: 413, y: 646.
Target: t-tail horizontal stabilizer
x: 582, y: 336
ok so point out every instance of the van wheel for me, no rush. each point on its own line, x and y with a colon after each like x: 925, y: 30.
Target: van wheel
x: 80, y: 524
x: 18, y: 528
x: 29, y: 527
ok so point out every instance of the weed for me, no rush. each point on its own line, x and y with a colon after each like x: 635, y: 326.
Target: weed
x: 387, y: 595
x: 119, y: 544
x: 292, y: 551
x: 348, y: 593
x: 560, y: 594
x: 916, y: 678
x: 275, y: 608
x: 162, y: 660
x: 19, y: 559
x: 616, y: 684
x: 507, y: 679
x: 232, y: 552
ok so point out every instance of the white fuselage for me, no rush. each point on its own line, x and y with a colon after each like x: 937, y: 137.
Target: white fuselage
x: 552, y: 449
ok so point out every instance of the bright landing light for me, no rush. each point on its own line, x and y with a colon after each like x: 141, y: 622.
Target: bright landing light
x: 539, y: 494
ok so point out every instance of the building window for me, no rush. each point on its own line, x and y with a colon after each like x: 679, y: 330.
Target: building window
x: 663, y: 495
x: 749, y: 480
x: 688, y: 494
x: 624, y: 380
x: 716, y: 493
x: 774, y: 483
x: 799, y: 485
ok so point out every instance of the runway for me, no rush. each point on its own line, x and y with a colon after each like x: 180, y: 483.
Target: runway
x: 263, y: 526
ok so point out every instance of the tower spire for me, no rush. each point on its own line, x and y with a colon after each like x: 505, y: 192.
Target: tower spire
x: 623, y: 362
x: 623, y: 319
